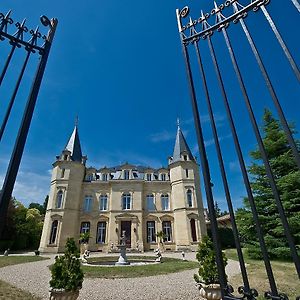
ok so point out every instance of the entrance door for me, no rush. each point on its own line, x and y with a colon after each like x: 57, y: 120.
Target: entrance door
x: 126, y: 226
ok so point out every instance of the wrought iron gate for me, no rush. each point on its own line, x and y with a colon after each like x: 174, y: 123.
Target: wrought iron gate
x: 31, y: 42
x: 193, y: 33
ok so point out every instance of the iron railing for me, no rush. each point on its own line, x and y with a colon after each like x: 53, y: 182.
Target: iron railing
x: 193, y: 33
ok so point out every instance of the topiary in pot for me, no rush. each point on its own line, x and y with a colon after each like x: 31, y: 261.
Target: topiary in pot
x: 208, y: 278
x: 67, y: 275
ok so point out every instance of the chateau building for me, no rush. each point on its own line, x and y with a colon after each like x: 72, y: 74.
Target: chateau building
x: 136, y: 199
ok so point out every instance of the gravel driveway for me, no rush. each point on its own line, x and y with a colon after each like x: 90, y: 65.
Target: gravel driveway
x: 34, y: 277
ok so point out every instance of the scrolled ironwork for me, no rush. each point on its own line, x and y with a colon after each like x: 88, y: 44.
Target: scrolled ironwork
x: 281, y: 296
x: 18, y: 38
x: 221, y: 20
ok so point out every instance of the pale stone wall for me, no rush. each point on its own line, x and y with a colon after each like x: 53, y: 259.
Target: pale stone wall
x: 72, y: 214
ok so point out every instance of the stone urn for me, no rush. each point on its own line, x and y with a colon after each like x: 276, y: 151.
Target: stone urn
x: 63, y: 295
x: 210, y: 291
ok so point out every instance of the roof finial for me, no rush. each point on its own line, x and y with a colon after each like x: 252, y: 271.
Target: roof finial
x: 76, y: 121
x: 178, y: 123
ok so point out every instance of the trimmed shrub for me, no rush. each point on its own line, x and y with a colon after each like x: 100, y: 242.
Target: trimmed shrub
x: 226, y: 237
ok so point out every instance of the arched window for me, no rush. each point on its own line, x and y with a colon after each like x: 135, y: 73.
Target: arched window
x: 165, y: 203
x: 53, y: 232
x: 126, y: 201
x: 59, y: 199
x: 103, y: 202
x: 193, y: 230
x: 150, y: 202
x: 189, y: 197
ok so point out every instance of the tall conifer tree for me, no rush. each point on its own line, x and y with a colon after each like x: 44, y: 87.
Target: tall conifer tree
x: 287, y: 177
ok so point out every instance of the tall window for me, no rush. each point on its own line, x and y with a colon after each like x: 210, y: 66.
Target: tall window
x: 193, y: 230
x: 101, y: 232
x: 62, y: 174
x: 126, y: 174
x: 151, y: 238
x: 150, y: 202
x: 148, y: 177
x: 189, y: 198
x: 53, y: 232
x: 104, y: 177
x: 187, y: 173
x: 163, y: 177
x: 126, y: 201
x: 85, y: 227
x: 88, y: 203
x: 165, y: 203
x: 167, y: 230
x: 103, y: 202
x: 59, y: 199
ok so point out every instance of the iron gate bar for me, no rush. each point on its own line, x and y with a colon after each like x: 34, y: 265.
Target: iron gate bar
x: 249, y: 293
x: 297, y: 4
x: 206, y: 172
x: 244, y: 172
x: 16, y: 156
x: 12, y: 99
x: 261, y: 148
x: 281, y: 42
x: 270, y: 87
x: 21, y: 28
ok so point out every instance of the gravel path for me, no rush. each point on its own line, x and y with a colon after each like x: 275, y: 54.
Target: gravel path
x: 34, y: 277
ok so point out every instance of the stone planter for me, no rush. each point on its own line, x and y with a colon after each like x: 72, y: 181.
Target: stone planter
x: 210, y: 291
x: 63, y: 295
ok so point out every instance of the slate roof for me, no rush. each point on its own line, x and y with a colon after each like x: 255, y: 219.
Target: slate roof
x: 181, y: 147
x: 74, y: 146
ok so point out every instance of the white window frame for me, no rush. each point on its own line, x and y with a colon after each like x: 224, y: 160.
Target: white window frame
x: 101, y: 232
x: 88, y: 203
x: 189, y: 197
x: 126, y: 199
x: 126, y: 174
x: 103, y: 202
x: 150, y: 197
x: 165, y: 197
x: 167, y: 230
x: 151, y: 237
x: 163, y: 177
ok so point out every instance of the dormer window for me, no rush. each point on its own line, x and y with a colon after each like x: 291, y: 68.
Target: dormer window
x: 163, y: 177
x: 65, y: 157
x: 185, y: 157
x: 104, y: 177
x: 126, y: 174
x: 89, y: 177
x: 148, y: 177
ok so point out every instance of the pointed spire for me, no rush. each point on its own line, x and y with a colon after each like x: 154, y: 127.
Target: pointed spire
x: 181, y: 147
x: 73, y: 144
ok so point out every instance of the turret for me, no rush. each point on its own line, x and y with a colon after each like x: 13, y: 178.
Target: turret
x: 186, y: 195
x: 64, y: 197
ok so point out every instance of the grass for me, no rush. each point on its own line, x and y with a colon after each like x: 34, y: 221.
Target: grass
x: 8, y: 291
x: 169, y: 265
x: 284, y: 273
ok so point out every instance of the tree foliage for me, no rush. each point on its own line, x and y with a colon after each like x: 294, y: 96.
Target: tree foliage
x: 23, y: 227
x: 287, y: 177
x: 66, y: 271
x: 206, y: 255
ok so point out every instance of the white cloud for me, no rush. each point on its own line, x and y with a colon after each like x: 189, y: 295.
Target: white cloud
x: 162, y: 136
x: 234, y: 166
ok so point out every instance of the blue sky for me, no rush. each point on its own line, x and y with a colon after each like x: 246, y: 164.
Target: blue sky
x: 118, y: 66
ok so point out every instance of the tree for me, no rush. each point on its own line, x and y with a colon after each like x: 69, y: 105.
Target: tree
x: 38, y: 206
x: 287, y: 177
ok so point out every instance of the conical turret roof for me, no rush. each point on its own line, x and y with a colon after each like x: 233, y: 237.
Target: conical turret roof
x: 181, y: 147
x: 74, y: 146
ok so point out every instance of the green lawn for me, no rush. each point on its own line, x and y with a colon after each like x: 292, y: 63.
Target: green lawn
x: 284, y: 273
x: 169, y: 265
x: 14, y: 260
x: 8, y: 291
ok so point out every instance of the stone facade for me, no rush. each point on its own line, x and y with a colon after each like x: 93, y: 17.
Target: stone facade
x: 138, y: 200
